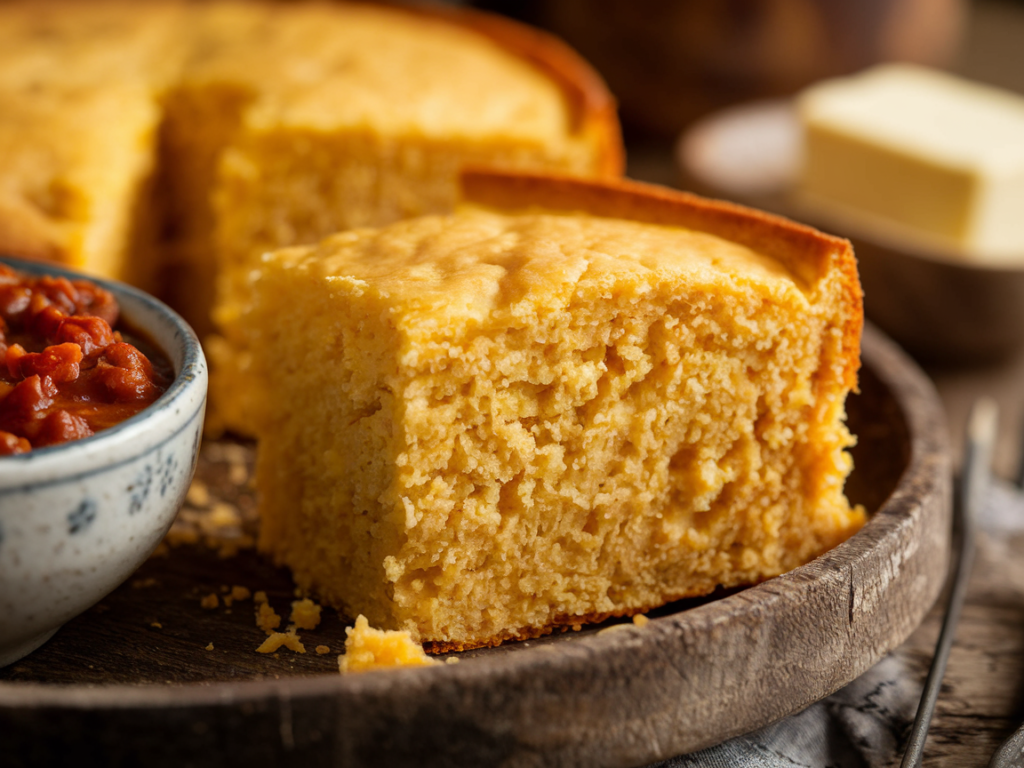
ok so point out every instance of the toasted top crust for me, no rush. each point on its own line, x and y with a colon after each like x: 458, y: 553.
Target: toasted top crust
x: 460, y: 274
x: 594, y: 108
x: 804, y: 251
x: 390, y: 70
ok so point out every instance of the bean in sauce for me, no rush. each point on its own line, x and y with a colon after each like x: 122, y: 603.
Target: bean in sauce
x: 65, y: 373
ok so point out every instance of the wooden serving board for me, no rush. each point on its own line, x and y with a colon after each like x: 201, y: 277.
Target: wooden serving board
x: 149, y: 676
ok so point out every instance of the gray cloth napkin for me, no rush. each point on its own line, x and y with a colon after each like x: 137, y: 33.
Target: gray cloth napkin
x: 864, y: 725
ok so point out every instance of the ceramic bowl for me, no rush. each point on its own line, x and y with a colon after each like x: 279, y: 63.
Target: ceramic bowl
x: 77, y: 519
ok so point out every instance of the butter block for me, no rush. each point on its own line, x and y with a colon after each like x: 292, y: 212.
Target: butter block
x: 933, y: 159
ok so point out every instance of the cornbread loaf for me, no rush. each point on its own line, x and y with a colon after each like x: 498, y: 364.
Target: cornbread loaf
x: 929, y: 159
x: 170, y: 143
x: 566, y: 401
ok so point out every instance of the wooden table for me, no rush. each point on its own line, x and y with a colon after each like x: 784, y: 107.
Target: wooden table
x: 982, y: 701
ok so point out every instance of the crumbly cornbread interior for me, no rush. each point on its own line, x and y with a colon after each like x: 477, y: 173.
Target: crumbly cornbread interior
x: 478, y: 426
x: 171, y: 143
x: 367, y: 648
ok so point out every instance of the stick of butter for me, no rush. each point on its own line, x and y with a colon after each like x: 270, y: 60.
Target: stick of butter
x: 924, y: 156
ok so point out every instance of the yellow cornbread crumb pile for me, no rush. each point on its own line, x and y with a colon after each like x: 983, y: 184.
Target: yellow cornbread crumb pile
x: 481, y: 426
x: 221, y: 519
x: 305, y: 614
x: 230, y: 595
x: 267, y: 618
x: 367, y: 648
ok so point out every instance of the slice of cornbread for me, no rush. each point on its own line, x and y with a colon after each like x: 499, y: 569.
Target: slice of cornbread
x: 480, y: 426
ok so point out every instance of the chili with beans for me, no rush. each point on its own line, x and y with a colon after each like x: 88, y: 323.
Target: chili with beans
x: 64, y: 372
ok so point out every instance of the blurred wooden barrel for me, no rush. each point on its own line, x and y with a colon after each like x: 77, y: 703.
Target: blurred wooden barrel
x: 671, y: 61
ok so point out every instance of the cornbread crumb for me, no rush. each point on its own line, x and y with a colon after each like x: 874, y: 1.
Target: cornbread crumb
x: 260, y: 597
x: 156, y: 625
x: 222, y: 516
x: 277, y: 640
x: 209, y: 647
x: 198, y: 494
x: 452, y: 660
x: 322, y: 649
x: 216, y: 515
x: 305, y: 614
x: 266, y: 618
x: 240, y: 593
x: 367, y: 648
x: 640, y: 620
x: 210, y: 601
x: 238, y: 474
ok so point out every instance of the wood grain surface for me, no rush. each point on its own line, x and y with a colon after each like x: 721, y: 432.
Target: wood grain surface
x: 982, y: 698
x: 136, y: 678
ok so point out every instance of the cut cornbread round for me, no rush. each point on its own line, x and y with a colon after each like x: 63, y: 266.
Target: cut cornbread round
x: 171, y: 143
x: 566, y: 401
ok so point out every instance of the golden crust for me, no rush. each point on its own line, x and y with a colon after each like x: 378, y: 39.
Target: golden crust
x: 561, y: 624
x: 594, y: 109
x: 804, y: 250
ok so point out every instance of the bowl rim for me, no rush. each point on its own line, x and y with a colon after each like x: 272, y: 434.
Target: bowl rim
x: 190, y: 374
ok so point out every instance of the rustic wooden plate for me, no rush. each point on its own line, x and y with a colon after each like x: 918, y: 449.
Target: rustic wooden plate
x: 132, y: 681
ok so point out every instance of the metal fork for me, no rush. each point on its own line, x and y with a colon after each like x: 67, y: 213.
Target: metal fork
x: 977, y: 475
